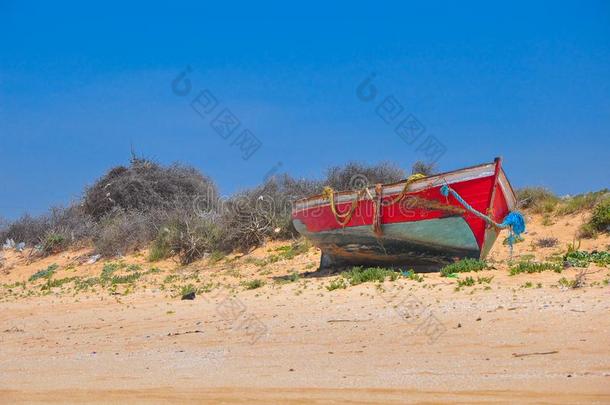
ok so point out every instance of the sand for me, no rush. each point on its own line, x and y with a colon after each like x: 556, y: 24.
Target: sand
x: 296, y: 342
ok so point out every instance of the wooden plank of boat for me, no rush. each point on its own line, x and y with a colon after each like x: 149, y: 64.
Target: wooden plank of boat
x: 423, y: 228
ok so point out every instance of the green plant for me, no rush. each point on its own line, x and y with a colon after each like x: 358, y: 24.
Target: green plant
x: 338, y: 283
x: 564, y: 282
x: 160, y: 248
x: 51, y: 283
x: 538, y: 199
x: 290, y: 251
x: 574, y: 245
x: 484, y: 280
x: 547, y: 220
x: 254, y: 284
x: 528, y: 284
x: 46, y: 273
x: 580, y: 202
x: 463, y: 266
x: 53, y: 243
x: 216, y: 256
x: 534, y: 267
x: 134, y: 267
x: 293, y: 277
x: 467, y: 282
x: 108, y: 270
x: 587, y: 231
x: 84, y: 284
x: 125, y: 279
x: 358, y: 275
x: 187, y: 290
x: 600, y: 218
x: 411, y: 275
x: 578, y: 258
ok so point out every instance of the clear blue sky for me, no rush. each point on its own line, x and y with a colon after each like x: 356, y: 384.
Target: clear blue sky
x: 80, y: 83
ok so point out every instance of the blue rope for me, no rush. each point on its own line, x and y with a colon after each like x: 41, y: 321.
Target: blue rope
x: 514, y: 221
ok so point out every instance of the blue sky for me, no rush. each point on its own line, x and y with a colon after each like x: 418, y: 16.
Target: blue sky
x: 81, y: 83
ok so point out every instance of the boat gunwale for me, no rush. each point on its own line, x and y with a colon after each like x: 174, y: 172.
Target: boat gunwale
x: 305, y: 200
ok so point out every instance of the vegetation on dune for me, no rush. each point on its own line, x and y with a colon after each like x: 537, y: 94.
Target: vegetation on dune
x: 337, y: 284
x: 579, y: 258
x: 356, y: 175
x: 577, y: 282
x: 254, y: 284
x: 188, y: 291
x: 540, y: 200
x: 177, y: 212
x: 466, y: 282
x: 420, y: 167
x: 464, y: 266
x: 534, y: 267
x: 581, y: 202
x: 145, y: 186
x: 547, y: 242
x: 358, y: 275
x: 412, y: 275
x: 537, y: 199
x: 46, y: 273
x: 599, y: 220
x: 470, y: 281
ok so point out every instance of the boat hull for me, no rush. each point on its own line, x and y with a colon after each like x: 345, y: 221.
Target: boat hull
x: 424, y: 229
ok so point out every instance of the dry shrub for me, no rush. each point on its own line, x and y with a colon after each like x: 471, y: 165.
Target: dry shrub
x: 27, y: 229
x: 51, y: 232
x: 133, y: 204
x: 547, y: 242
x: 427, y: 169
x: 599, y: 220
x: 123, y: 231
x: 252, y: 216
x: 538, y: 199
x: 355, y: 175
x: 72, y: 224
x: 581, y: 202
x: 146, y: 186
x: 178, y: 209
x: 187, y: 233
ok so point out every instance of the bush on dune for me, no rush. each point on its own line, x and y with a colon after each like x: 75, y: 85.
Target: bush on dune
x: 121, y: 232
x: 51, y: 232
x: 599, y: 220
x: 581, y: 202
x: 188, y: 235
x: 355, y: 175
x: 254, y: 215
x: 537, y: 199
x: 146, y: 186
x: 420, y: 167
x: 176, y: 211
x: 27, y: 229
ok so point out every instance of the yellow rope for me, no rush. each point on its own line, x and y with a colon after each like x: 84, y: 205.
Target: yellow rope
x: 343, y: 218
x: 412, y: 178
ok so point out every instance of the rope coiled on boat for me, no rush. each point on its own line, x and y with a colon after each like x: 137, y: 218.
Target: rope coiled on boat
x: 343, y: 218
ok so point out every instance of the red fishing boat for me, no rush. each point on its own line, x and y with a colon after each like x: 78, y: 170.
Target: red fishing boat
x: 418, y: 222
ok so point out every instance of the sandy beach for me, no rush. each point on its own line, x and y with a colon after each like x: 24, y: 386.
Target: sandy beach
x: 522, y: 337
